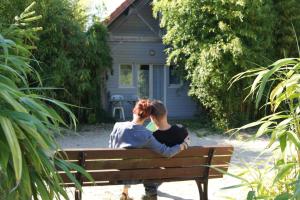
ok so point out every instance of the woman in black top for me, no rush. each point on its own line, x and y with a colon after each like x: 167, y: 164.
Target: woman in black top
x: 167, y: 134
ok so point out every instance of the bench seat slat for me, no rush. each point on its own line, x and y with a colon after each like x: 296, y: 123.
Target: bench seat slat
x: 153, y: 163
x: 145, y: 174
x: 144, y: 163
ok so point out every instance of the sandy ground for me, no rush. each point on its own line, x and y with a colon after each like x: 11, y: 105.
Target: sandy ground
x: 244, y: 151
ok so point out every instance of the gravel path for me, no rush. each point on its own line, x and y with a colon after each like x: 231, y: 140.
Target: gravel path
x: 97, y: 136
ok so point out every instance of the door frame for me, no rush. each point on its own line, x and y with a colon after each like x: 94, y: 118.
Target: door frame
x: 151, y: 81
x: 165, y: 85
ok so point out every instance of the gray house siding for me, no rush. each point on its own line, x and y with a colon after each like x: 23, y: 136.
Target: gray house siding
x: 158, y: 82
x: 132, y: 37
x: 137, y: 21
x: 131, y: 26
x: 137, y: 52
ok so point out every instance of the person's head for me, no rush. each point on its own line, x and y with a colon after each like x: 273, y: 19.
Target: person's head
x: 159, y: 112
x: 142, y: 110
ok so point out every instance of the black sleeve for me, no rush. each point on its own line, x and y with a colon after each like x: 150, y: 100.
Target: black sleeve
x: 183, y: 133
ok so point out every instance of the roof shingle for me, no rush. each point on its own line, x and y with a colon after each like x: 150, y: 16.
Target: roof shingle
x: 118, y: 11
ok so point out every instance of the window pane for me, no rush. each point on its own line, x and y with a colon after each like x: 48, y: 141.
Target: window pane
x: 174, y: 78
x: 126, y: 75
x: 143, y: 81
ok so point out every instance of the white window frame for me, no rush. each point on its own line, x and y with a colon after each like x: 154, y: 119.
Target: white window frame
x: 132, y: 79
x: 178, y: 85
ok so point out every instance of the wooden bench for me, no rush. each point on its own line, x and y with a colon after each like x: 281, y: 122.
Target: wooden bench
x: 112, y: 166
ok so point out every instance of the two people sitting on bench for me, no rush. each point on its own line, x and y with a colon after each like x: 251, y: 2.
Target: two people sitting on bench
x: 167, y: 140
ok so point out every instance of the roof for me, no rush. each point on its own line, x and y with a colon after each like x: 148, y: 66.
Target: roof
x: 118, y: 11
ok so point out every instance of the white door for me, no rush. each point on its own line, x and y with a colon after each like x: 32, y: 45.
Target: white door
x: 144, y: 81
x: 151, y: 82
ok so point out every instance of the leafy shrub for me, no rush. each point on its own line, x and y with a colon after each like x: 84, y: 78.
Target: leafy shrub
x: 73, y: 59
x: 211, y: 41
x: 27, y: 121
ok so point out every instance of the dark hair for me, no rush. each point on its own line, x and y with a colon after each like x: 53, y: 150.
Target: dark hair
x: 158, y: 109
x: 142, y: 108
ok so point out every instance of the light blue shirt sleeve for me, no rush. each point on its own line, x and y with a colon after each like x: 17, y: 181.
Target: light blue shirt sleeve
x: 111, y: 138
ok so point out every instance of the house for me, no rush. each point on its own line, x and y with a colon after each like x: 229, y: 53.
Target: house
x: 139, y: 67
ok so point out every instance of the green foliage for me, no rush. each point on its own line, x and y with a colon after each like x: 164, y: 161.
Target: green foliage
x: 192, y: 124
x: 287, y: 22
x: 281, y: 84
x: 27, y: 121
x: 74, y: 60
x: 98, y: 60
x: 214, y: 40
x: 71, y: 57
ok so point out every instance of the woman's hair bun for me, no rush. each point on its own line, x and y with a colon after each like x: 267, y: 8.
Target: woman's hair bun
x: 143, y: 108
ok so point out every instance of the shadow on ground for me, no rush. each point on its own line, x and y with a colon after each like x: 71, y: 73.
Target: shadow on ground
x: 163, y: 194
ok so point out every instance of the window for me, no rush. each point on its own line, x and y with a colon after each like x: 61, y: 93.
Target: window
x: 143, y: 81
x: 126, y: 77
x: 174, y: 78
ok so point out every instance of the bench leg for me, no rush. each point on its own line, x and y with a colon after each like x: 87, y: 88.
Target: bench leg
x: 203, y: 190
x: 205, y: 185
x: 78, y: 195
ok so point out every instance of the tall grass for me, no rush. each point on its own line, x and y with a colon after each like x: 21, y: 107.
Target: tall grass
x: 27, y: 120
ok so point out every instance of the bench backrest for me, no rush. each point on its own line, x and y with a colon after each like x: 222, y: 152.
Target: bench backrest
x: 111, y: 166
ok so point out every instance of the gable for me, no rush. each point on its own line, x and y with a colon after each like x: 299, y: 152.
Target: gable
x: 137, y: 20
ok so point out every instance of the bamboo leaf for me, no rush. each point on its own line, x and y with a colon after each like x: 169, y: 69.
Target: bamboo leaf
x: 283, y: 196
x: 263, y: 128
x: 230, y: 174
x: 282, y: 141
x: 77, y: 168
x: 250, y: 125
x: 294, y: 139
x: 42, y: 189
x: 283, y: 171
x: 69, y: 174
x: 275, y: 67
x: 234, y: 186
x: 285, y: 61
x: 297, y: 189
x: 14, y: 146
x: 277, y: 90
x: 25, y: 180
x: 251, y: 195
x: 257, y: 80
x: 4, y: 155
x: 9, y: 99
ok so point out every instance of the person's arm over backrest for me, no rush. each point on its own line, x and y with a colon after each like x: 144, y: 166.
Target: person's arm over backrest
x: 153, y: 144
x: 112, y: 137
